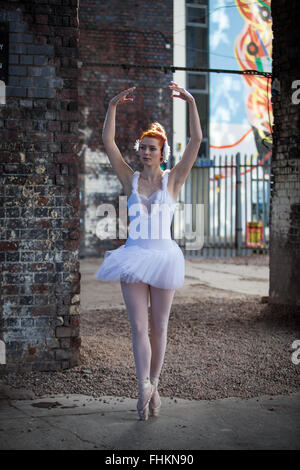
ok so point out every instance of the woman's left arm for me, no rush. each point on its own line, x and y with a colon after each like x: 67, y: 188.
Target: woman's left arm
x: 181, y: 170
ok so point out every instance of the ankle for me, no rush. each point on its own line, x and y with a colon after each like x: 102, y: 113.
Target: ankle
x: 144, y: 384
x: 154, y: 381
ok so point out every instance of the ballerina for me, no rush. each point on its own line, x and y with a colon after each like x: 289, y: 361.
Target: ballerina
x: 150, y: 265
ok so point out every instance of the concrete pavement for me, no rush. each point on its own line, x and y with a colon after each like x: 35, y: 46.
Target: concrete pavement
x: 110, y: 423
x: 233, y: 278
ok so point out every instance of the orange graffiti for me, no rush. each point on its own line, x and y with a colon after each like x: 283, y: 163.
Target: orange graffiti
x: 232, y: 145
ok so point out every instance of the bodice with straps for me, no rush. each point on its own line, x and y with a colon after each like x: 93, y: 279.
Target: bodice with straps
x: 150, y: 217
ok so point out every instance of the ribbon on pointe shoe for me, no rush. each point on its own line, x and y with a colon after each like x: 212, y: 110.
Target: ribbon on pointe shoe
x: 154, y: 410
x: 144, y: 397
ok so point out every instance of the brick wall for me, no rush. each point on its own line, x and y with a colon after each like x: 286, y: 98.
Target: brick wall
x: 117, y: 32
x: 39, y: 245
x: 285, y: 192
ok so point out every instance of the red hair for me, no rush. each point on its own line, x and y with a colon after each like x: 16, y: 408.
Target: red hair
x: 156, y: 131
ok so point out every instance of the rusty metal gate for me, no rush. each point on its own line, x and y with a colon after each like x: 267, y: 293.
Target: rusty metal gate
x: 233, y: 193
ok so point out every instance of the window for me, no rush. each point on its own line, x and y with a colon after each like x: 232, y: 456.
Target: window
x: 197, y: 81
x: 196, y: 47
x: 196, y: 15
x: 202, y: 106
x: 197, y: 56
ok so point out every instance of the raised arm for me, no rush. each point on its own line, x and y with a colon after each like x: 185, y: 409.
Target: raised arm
x: 123, y: 171
x: 181, y: 170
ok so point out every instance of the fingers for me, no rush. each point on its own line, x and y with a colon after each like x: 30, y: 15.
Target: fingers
x: 177, y: 88
x: 122, y: 96
x: 129, y: 90
x: 125, y: 92
x: 180, y: 95
x: 174, y: 84
x: 177, y: 91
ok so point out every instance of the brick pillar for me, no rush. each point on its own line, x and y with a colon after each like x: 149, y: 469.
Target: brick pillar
x: 285, y: 192
x: 39, y: 245
x: 119, y: 32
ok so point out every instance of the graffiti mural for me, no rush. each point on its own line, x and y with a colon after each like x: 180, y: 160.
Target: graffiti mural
x: 253, y: 50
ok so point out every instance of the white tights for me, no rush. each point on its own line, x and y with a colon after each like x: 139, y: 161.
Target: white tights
x: 148, y: 352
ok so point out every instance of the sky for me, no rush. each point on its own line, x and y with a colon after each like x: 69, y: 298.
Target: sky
x: 228, y: 92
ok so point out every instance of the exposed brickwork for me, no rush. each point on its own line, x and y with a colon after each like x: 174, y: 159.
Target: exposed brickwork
x: 40, y: 279
x: 119, y: 32
x: 285, y: 193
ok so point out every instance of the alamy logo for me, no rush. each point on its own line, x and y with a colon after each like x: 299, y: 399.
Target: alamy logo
x: 296, y: 353
x: 296, y: 94
x: 149, y: 226
x: 2, y: 92
x: 2, y: 352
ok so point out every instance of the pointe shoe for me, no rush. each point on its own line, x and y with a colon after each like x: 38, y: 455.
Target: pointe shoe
x: 146, y: 393
x: 154, y: 410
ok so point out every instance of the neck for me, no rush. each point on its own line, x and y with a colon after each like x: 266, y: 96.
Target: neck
x: 151, y: 173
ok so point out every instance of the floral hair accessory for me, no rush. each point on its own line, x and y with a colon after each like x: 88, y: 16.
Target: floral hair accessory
x: 137, y: 145
x: 166, y: 151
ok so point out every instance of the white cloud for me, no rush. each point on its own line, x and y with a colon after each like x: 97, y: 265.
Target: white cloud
x: 227, y: 98
x: 221, y: 19
x: 222, y: 115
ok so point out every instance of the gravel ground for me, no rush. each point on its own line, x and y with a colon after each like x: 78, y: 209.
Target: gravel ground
x: 217, y: 348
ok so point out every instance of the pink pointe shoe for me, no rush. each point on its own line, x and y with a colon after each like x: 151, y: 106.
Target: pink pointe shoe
x: 146, y: 392
x: 154, y: 410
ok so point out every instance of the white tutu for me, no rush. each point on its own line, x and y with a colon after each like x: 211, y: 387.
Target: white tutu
x: 159, y: 268
x: 156, y: 259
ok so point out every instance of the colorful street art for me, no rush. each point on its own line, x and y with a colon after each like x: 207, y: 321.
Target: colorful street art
x: 240, y: 122
x: 253, y: 50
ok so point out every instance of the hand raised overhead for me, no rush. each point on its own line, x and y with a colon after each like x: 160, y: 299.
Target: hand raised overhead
x: 122, y: 98
x: 180, y: 92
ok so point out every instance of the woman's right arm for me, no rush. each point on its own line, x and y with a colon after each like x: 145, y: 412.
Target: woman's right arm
x: 123, y: 171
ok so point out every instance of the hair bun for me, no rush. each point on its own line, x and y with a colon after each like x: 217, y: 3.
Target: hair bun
x: 158, y: 128
x: 155, y: 129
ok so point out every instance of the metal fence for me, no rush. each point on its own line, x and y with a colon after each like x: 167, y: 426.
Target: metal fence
x: 234, y: 192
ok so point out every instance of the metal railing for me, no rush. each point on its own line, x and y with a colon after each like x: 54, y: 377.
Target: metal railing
x: 235, y: 193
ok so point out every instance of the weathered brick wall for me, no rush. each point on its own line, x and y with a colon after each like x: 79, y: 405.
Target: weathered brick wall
x: 118, y: 32
x: 285, y: 193
x: 39, y: 245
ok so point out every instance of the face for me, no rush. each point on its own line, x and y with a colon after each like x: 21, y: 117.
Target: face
x: 150, y: 151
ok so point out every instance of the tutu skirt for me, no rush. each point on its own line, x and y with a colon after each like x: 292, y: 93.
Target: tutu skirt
x: 158, y: 264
